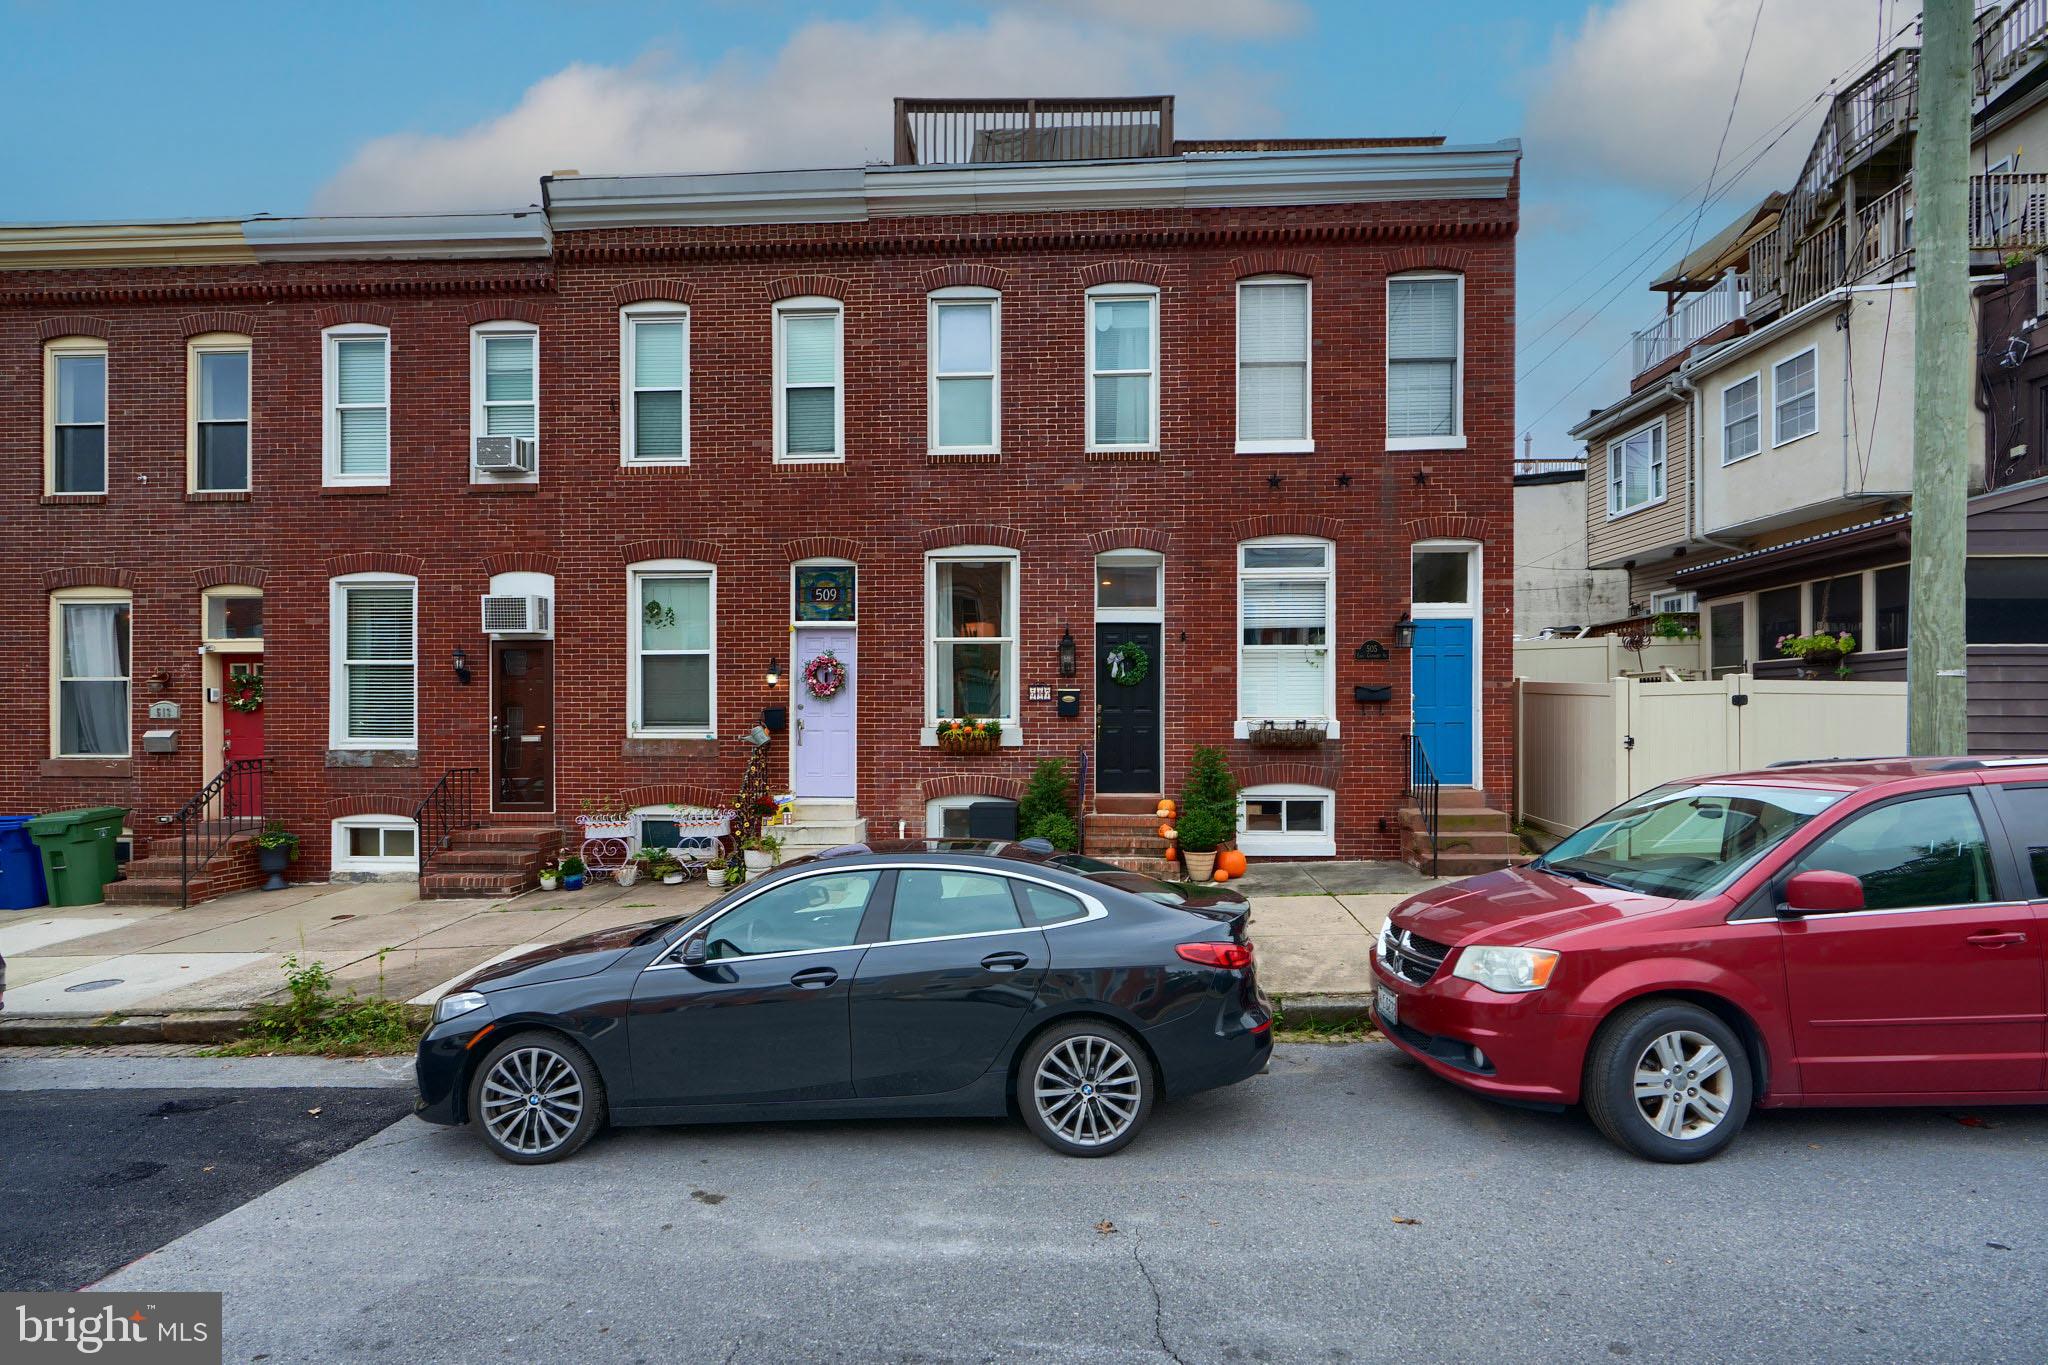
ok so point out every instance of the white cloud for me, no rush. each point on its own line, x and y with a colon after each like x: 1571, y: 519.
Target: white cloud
x: 1640, y: 91
x: 822, y: 100
x: 1200, y: 18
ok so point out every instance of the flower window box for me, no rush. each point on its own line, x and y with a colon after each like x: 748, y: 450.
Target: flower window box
x: 1300, y: 734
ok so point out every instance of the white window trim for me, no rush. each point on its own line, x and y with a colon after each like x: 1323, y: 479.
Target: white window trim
x: 1129, y: 559
x: 83, y: 597
x: 330, y: 425
x: 337, y: 662
x: 656, y: 310
x: 934, y: 301
x: 1446, y: 611
x: 669, y: 568
x: 935, y: 809
x: 1012, y: 733
x: 1753, y: 377
x: 344, y: 864
x: 76, y: 346
x: 1305, y: 444
x: 223, y: 644
x: 1614, y: 508
x: 1247, y: 719
x: 811, y: 304
x: 1457, y: 439
x: 478, y: 335
x: 216, y: 343
x: 1107, y: 292
x: 1778, y: 438
x: 1286, y: 844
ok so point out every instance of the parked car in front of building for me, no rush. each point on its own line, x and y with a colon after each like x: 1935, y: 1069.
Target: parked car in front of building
x: 1846, y: 933
x: 914, y: 979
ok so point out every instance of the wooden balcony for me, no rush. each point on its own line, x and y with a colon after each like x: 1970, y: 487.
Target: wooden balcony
x: 1699, y: 315
x: 957, y: 132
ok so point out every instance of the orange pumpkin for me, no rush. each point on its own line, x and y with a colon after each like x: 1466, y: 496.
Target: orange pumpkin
x: 1172, y: 853
x: 1221, y: 875
x: 1166, y: 808
x: 1165, y: 830
x: 1231, y: 861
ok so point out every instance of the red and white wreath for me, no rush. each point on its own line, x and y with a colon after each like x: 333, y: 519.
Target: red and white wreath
x: 825, y: 676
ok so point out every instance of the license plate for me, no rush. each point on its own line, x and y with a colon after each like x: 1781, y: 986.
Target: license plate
x: 1386, y: 1006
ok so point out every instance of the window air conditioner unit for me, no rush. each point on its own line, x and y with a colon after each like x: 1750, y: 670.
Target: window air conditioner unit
x: 526, y: 615
x: 505, y: 454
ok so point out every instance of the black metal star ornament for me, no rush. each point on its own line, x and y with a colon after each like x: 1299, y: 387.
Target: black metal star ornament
x: 1343, y: 481
x: 1274, y: 481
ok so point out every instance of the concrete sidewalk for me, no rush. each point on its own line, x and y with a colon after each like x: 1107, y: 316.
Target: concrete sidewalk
x: 144, y: 972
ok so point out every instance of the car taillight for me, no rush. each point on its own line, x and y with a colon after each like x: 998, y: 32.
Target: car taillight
x: 1232, y: 956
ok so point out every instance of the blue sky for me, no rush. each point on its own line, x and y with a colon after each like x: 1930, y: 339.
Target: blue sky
x: 175, y: 110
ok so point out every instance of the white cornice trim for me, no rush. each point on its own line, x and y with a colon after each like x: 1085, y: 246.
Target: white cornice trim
x: 451, y: 236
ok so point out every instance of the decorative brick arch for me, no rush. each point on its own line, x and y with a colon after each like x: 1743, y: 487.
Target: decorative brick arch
x: 1122, y: 272
x: 796, y: 286
x: 821, y: 547
x: 965, y: 273
x: 971, y: 784
x: 1287, y: 524
x: 88, y: 576
x: 1129, y: 538
x: 1429, y: 256
x: 503, y: 310
x: 195, y: 324
x: 1446, y: 526
x: 340, y: 314
x: 394, y: 803
x: 670, y: 547
x: 72, y: 325
x: 230, y: 576
x: 519, y: 561
x: 974, y: 533
x: 652, y: 291
x: 1301, y: 263
x: 674, y: 794
x: 1272, y: 773
x: 375, y: 561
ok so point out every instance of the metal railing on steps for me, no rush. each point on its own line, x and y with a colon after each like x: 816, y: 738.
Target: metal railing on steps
x: 1426, y: 792
x: 230, y: 804
x: 448, y: 808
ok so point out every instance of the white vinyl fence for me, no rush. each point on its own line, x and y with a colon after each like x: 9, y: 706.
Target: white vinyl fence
x: 1585, y: 747
x: 1601, y: 656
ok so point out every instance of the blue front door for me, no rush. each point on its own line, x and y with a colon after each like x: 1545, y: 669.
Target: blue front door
x: 1441, y: 674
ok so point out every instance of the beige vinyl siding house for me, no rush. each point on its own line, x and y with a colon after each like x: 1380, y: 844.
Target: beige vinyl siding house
x: 1639, y: 487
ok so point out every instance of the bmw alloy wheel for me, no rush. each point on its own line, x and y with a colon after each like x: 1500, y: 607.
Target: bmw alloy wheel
x: 1684, y: 1086
x: 1087, y: 1090
x: 531, y: 1100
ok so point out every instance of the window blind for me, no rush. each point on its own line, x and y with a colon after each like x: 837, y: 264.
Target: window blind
x: 657, y: 355
x: 364, y: 420
x: 658, y: 383
x: 810, y: 348
x: 1272, y: 362
x: 508, y: 386
x: 1282, y: 681
x: 378, y: 661
x: 810, y: 357
x: 1422, y: 355
x: 1297, y: 606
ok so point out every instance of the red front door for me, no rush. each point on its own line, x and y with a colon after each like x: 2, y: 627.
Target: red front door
x: 242, y: 731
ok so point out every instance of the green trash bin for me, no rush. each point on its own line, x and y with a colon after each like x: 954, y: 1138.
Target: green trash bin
x: 77, y: 848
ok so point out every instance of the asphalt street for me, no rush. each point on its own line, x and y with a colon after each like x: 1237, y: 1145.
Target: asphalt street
x: 1339, y: 1208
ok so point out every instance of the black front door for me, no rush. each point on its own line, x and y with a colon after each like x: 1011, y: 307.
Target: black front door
x: 1127, y: 754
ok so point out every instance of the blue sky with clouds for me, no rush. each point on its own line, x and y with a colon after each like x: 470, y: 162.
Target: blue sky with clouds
x: 128, y: 110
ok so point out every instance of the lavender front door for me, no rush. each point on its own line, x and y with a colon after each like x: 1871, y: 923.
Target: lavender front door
x: 823, y: 727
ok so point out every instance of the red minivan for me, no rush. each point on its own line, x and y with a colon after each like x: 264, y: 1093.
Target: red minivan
x: 1838, y: 933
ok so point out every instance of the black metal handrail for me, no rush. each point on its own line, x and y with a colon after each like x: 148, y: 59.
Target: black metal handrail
x: 1426, y: 792
x: 448, y: 808
x: 230, y: 804
x: 1081, y: 801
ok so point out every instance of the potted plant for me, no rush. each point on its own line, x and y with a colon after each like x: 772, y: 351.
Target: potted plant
x: 612, y: 819
x: 1821, y: 651
x: 714, y: 871
x: 1201, y: 832
x: 628, y: 873
x: 550, y: 877
x: 276, y: 847
x: 761, y: 852
x: 970, y: 736
x: 573, y: 872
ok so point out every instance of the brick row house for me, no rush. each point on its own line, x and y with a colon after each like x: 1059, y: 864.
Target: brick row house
x: 573, y: 496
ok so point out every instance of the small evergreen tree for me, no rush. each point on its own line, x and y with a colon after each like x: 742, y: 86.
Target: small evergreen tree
x: 1210, y: 788
x: 1048, y: 796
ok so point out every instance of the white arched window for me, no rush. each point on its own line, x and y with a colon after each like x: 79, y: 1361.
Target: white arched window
x: 356, y: 406
x: 948, y: 818
x: 810, y: 381
x: 963, y: 349
x: 1426, y: 361
x: 971, y: 637
x: 1281, y: 820
x: 1123, y: 367
x: 654, y: 383
x: 90, y: 678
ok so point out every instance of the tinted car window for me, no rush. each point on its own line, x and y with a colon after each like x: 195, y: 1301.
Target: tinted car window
x: 809, y: 913
x: 1926, y: 852
x: 931, y: 903
x: 2026, y: 819
x: 1043, y: 905
x: 1685, y: 839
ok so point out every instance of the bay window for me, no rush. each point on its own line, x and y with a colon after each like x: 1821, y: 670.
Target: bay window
x: 810, y: 407
x: 1273, y: 366
x: 1286, y: 596
x: 670, y: 683
x: 964, y: 349
x: 1635, y: 470
x: 91, y: 664
x: 356, y: 421
x: 654, y: 378
x: 1122, y: 400
x: 1425, y: 362
x: 971, y: 635
x: 373, y: 636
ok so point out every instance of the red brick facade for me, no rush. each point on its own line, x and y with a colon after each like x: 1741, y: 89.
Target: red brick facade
x: 586, y: 518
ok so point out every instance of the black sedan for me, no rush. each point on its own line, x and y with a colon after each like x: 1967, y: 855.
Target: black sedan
x: 902, y: 979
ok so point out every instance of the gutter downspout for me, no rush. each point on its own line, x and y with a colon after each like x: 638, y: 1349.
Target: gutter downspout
x: 1844, y: 321
x: 1696, y: 471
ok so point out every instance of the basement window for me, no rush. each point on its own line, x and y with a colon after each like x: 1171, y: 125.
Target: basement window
x: 375, y: 846
x: 1287, y: 821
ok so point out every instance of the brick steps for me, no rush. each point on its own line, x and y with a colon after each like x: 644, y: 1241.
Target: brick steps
x: 154, y: 880
x: 492, y: 861
x: 1113, y: 835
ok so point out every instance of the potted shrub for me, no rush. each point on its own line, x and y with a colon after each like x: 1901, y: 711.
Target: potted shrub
x: 714, y: 871
x: 1822, y: 651
x: 761, y: 852
x: 970, y: 736
x: 550, y: 877
x: 573, y: 872
x: 276, y: 847
x: 1201, y: 832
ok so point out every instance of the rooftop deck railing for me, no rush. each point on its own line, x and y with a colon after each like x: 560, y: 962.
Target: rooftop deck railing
x: 952, y: 132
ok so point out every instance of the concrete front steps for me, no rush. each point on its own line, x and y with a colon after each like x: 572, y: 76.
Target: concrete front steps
x: 1472, y: 837
x: 493, y: 860
x: 153, y: 879
x: 818, y: 825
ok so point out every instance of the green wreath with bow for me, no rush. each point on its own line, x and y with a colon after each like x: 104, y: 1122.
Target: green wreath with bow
x: 1129, y: 663
x: 245, y: 692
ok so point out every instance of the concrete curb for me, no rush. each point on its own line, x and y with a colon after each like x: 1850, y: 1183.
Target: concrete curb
x: 31, y: 1030
x: 1325, y: 1009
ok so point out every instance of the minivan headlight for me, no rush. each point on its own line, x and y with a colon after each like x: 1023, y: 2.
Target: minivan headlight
x: 1386, y: 933
x: 456, y: 1005
x: 1513, y: 971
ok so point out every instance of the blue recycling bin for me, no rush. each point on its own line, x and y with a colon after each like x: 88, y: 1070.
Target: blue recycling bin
x: 21, y: 866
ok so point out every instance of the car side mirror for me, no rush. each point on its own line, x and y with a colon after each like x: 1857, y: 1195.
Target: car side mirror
x: 693, y: 953
x: 1820, y: 893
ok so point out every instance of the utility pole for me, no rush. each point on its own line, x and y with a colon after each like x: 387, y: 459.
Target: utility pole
x: 1936, y: 694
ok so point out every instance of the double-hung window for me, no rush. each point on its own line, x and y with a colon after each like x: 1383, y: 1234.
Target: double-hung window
x: 1795, y: 405
x: 1425, y: 362
x: 504, y: 381
x: 654, y: 380
x: 75, y: 385
x: 810, y: 407
x: 356, y: 431
x: 1123, y: 367
x: 1273, y: 366
x: 673, y: 628
x: 1286, y: 597
x: 1741, y: 424
x: 965, y: 349
x: 92, y: 674
x: 971, y: 652
x: 1635, y: 470
x: 374, y: 638
x: 219, y: 368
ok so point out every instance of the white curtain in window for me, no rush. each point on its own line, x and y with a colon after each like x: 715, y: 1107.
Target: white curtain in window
x: 810, y: 363
x: 378, y: 662
x: 364, y: 416
x: 1272, y: 362
x: 92, y: 689
x: 1422, y: 357
x: 508, y: 386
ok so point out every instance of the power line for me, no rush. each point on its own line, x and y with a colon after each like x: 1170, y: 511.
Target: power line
x: 1726, y: 124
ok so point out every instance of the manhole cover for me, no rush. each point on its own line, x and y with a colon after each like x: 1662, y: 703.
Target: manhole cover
x: 93, y: 985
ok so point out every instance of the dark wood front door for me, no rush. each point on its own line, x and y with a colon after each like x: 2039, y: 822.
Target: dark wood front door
x: 522, y: 725
x: 1127, y: 756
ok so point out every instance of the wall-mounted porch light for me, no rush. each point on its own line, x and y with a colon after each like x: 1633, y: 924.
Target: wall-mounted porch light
x: 461, y: 662
x: 774, y: 671
x: 1067, y: 664
x: 1404, y: 633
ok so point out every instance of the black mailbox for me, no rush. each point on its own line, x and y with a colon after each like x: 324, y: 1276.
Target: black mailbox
x: 775, y: 718
x: 1369, y: 695
x: 1070, y: 701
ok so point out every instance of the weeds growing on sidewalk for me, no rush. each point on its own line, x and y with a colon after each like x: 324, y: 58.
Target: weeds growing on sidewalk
x: 312, y: 1019
x: 1320, y: 1029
